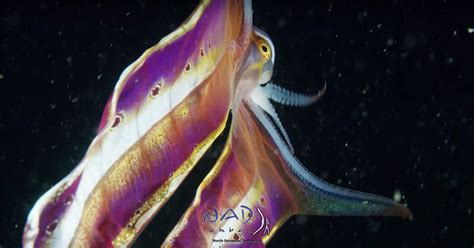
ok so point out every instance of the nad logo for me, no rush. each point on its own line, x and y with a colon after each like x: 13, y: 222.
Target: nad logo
x: 246, y: 214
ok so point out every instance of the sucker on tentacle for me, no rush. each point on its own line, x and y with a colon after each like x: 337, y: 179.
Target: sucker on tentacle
x: 286, y: 97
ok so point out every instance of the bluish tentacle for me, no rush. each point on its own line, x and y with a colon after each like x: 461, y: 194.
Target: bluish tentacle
x: 286, y: 97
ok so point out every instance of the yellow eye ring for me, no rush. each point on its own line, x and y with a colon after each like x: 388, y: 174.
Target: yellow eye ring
x: 264, y: 49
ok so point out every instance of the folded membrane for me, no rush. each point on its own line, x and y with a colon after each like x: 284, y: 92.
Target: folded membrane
x: 257, y: 170
x: 166, y: 110
x: 160, y: 119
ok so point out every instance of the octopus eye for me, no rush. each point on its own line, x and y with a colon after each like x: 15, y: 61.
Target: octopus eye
x: 201, y: 53
x: 264, y: 49
x: 117, y: 120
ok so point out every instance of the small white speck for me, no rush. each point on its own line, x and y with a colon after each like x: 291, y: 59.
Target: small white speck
x: 99, y: 76
x: 68, y: 59
x: 390, y: 42
x: 397, y: 195
x: 470, y: 30
x: 281, y: 22
x: 346, y: 145
x: 1, y: 76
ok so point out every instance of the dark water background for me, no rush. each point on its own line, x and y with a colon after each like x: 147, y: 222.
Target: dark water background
x: 397, y: 115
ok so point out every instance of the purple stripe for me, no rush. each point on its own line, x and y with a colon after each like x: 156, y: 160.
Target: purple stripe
x: 213, y: 195
x: 164, y: 160
x: 170, y: 61
x: 53, y: 211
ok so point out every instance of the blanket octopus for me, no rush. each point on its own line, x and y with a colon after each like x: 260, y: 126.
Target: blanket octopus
x: 166, y: 110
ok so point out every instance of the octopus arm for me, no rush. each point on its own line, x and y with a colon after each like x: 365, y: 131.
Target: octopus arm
x: 257, y: 171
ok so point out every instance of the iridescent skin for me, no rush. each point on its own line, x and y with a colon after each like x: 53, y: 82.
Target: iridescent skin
x: 166, y: 110
x: 258, y: 170
x: 155, y: 127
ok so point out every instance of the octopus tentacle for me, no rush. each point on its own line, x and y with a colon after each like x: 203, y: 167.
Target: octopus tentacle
x: 262, y: 99
x: 286, y: 97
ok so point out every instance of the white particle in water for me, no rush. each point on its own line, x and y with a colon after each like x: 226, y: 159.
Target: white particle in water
x: 470, y: 30
x: 397, y: 195
x: 390, y: 42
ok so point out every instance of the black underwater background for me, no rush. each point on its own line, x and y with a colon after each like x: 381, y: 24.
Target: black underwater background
x: 397, y: 115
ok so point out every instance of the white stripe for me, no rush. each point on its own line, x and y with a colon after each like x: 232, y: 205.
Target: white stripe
x: 114, y: 143
x: 108, y: 146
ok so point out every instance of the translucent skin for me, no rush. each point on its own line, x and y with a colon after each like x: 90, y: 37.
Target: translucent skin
x: 257, y: 171
x: 166, y: 110
x: 155, y: 127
